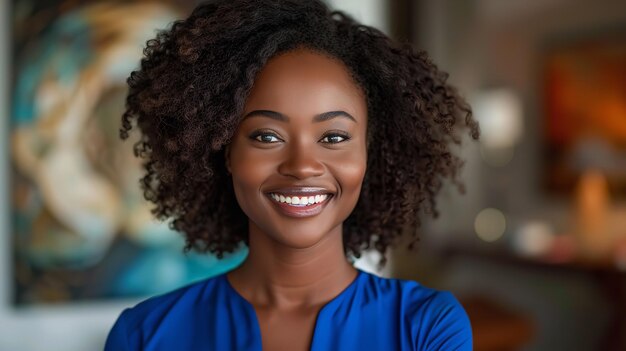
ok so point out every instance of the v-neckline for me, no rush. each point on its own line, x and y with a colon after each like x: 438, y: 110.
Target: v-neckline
x: 332, y: 302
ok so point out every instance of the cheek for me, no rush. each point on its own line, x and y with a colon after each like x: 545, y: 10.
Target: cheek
x: 350, y: 173
x: 249, y: 171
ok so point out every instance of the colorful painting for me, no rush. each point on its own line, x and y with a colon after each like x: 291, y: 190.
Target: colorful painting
x: 585, y: 101
x: 81, y: 228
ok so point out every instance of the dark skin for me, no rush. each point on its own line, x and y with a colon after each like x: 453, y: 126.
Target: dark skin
x: 304, y: 128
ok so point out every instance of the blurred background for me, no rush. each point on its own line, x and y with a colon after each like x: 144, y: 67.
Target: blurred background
x: 535, y: 249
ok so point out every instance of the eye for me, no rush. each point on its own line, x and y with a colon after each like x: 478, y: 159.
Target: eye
x: 265, y: 137
x: 334, y: 138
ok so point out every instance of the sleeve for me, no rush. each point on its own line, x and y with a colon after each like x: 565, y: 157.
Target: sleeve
x: 118, y: 335
x: 447, y: 327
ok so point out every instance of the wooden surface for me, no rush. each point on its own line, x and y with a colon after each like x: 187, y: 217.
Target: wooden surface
x: 610, y: 279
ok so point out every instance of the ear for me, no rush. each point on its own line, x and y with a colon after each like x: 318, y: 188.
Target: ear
x: 227, y: 158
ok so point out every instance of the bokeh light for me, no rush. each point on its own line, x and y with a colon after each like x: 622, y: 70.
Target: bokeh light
x: 490, y: 224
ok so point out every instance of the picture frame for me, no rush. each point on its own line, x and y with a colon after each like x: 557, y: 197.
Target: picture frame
x: 584, y: 105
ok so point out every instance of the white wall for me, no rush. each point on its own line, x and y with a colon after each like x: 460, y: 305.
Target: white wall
x: 373, y: 13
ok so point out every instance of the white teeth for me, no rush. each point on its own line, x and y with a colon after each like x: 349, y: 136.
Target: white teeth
x: 296, y: 200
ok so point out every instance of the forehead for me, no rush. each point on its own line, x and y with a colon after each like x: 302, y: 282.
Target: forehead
x: 303, y: 81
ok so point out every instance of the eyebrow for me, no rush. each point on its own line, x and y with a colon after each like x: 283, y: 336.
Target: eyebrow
x: 317, y: 118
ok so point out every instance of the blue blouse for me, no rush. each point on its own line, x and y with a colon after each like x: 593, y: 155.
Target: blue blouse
x: 372, y: 313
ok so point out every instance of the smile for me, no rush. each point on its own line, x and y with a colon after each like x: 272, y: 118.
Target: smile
x: 300, y: 206
x: 299, y: 200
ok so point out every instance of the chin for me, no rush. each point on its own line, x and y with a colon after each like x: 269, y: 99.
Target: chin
x: 300, y: 241
x: 299, y: 235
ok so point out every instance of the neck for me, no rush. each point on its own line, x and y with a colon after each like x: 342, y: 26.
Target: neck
x: 276, y: 276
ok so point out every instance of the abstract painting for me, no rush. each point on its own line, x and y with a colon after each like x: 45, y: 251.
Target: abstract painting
x: 81, y: 228
x: 585, y: 108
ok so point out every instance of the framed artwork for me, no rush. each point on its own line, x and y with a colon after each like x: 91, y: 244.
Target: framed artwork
x: 585, y: 112
x: 80, y: 227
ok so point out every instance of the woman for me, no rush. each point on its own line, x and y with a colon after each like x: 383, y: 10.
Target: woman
x: 308, y: 137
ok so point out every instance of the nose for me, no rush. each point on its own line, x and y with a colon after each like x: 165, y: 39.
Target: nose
x: 300, y: 162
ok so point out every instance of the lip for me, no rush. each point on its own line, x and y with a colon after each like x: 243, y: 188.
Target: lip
x: 301, y: 191
x: 300, y: 211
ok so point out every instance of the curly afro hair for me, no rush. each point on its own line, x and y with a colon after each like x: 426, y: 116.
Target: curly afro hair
x: 188, y: 96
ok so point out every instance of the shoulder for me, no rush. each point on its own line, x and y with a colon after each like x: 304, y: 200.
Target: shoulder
x: 410, y: 294
x: 144, y: 320
x: 435, y: 319
x: 187, y: 297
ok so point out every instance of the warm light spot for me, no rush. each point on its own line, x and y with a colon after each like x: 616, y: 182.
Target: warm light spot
x: 499, y: 113
x: 534, y: 238
x: 490, y: 224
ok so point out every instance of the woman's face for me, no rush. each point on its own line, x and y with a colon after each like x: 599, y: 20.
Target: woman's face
x: 298, y: 157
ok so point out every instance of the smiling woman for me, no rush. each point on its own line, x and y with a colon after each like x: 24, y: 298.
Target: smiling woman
x: 311, y: 143
x: 307, y: 137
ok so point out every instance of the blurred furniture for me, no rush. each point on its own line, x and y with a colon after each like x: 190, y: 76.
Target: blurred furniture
x: 495, y: 327
x: 610, y: 278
